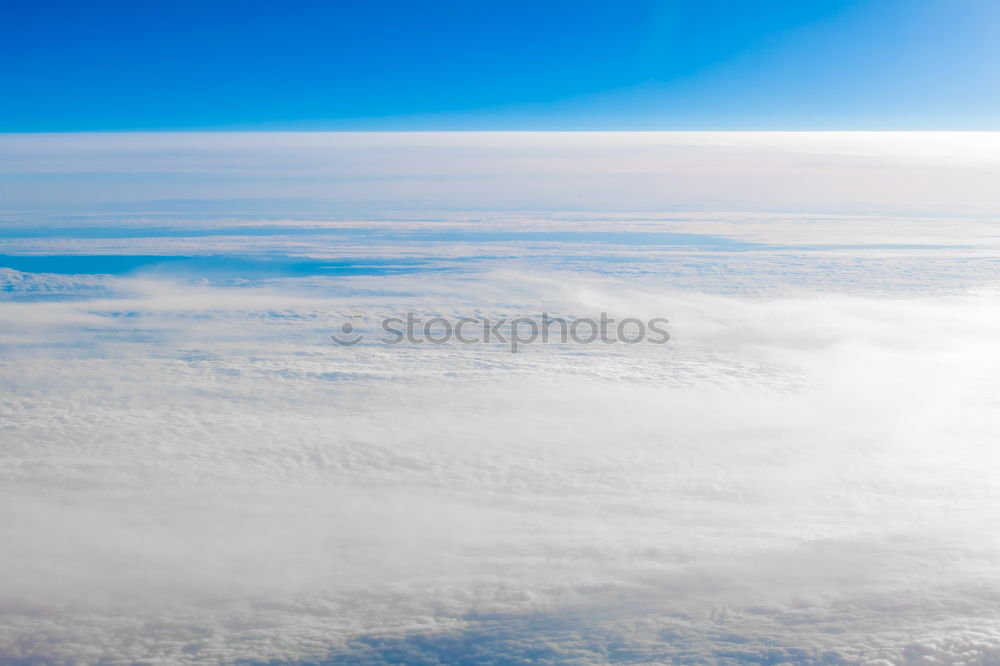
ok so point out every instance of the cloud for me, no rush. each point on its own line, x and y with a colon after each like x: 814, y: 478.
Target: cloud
x: 193, y: 473
x: 908, y: 173
x: 201, y: 476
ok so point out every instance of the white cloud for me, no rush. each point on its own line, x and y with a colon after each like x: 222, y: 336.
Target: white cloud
x: 193, y: 473
x: 207, y: 478
x: 914, y: 173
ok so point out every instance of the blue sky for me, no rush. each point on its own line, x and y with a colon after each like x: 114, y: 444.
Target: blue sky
x: 481, y: 64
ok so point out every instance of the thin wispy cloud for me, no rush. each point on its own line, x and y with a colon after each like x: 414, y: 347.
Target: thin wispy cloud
x: 314, y: 174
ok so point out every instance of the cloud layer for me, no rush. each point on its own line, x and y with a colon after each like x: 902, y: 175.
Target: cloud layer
x: 193, y: 473
x: 289, y: 174
x: 196, y: 474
